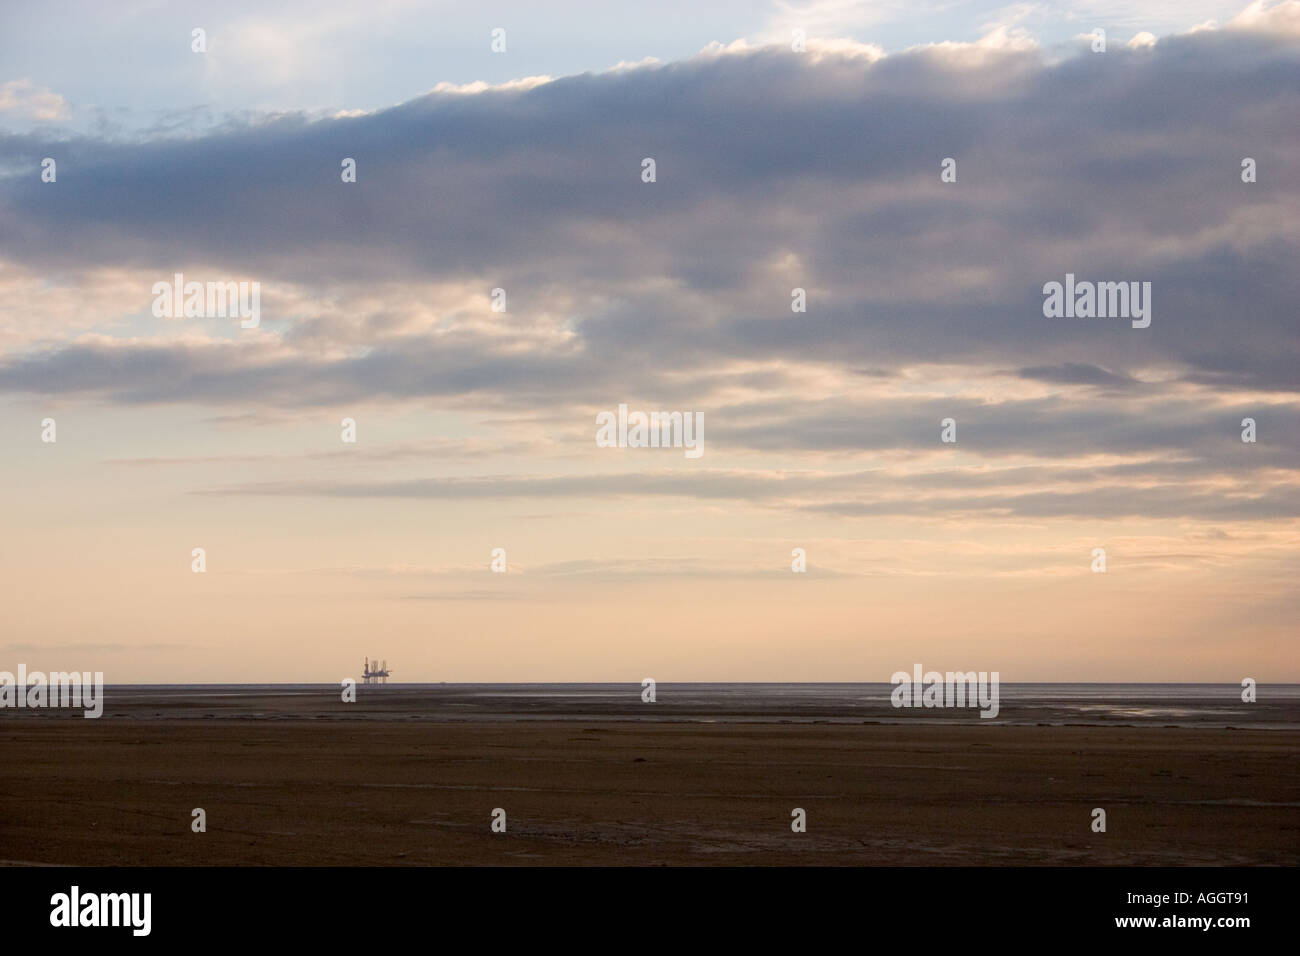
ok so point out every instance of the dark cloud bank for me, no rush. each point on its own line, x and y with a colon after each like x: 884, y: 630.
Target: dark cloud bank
x: 774, y: 170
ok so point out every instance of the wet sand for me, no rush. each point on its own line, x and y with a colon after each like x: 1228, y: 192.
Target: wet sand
x: 597, y: 791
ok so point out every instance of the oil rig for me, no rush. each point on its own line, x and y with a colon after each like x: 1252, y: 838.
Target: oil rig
x: 376, y: 673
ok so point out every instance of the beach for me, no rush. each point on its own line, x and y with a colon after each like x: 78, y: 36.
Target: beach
x: 285, y: 784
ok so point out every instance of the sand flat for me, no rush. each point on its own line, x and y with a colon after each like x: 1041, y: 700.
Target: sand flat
x: 289, y: 792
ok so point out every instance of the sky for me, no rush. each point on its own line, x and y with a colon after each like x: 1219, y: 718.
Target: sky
x: 775, y: 169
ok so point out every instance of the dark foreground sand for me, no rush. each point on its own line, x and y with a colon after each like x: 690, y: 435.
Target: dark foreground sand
x: 76, y: 791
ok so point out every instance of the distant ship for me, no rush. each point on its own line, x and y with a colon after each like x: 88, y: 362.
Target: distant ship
x: 376, y: 673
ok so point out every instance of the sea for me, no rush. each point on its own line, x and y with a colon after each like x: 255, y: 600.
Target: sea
x: 1276, y: 706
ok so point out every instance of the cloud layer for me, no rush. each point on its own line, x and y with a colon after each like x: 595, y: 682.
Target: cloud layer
x: 775, y: 170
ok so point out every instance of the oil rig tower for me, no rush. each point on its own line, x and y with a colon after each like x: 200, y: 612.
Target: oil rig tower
x: 376, y: 673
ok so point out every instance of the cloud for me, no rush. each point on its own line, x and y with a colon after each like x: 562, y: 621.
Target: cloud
x: 1269, y: 17
x: 774, y: 170
x: 25, y: 99
x: 829, y: 166
x: 1078, y: 373
x: 1152, y: 488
